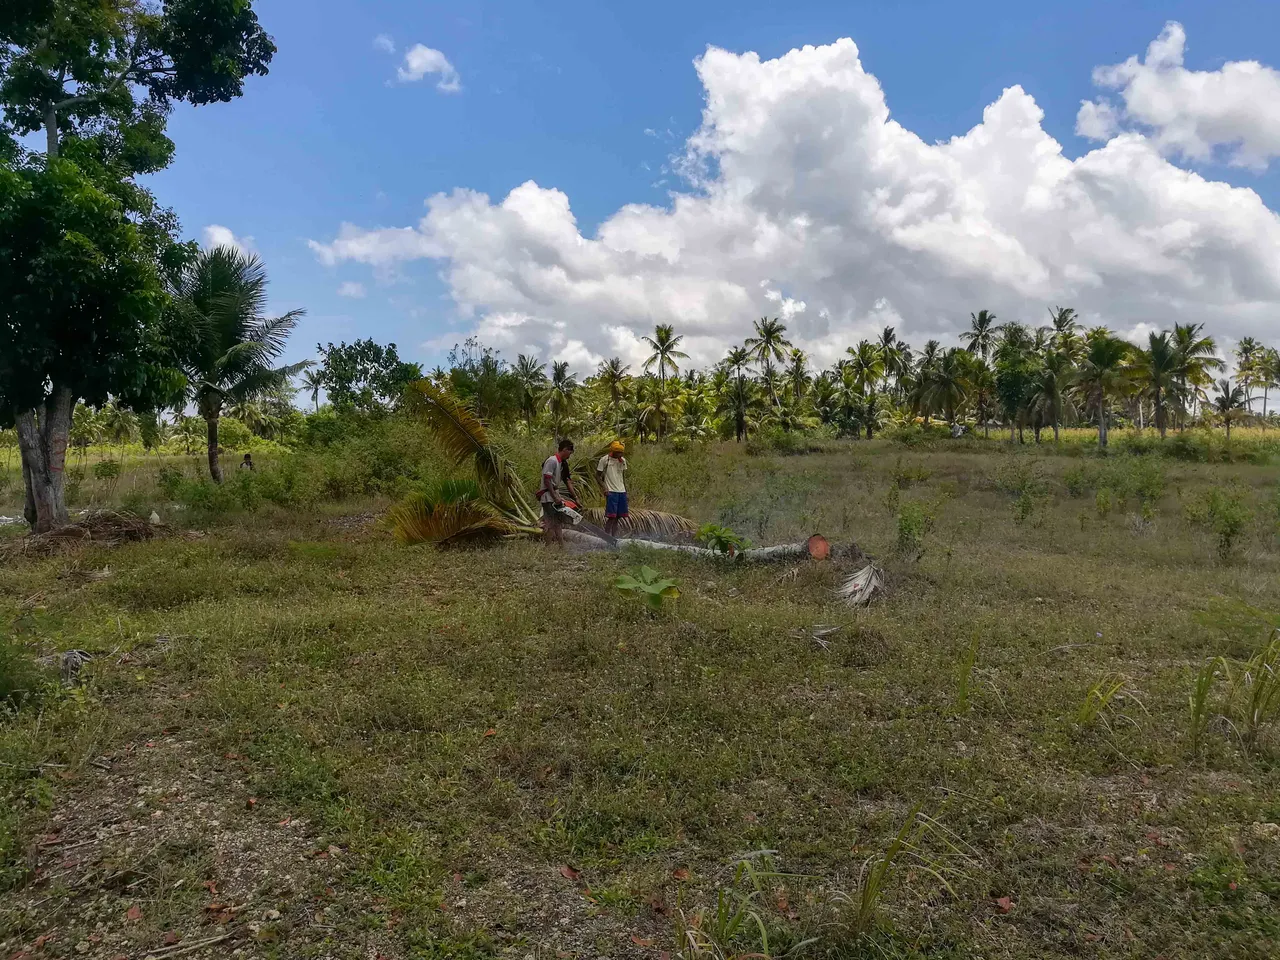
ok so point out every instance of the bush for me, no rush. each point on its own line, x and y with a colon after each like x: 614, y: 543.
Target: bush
x: 915, y: 520
x: 106, y: 470
x: 1225, y: 513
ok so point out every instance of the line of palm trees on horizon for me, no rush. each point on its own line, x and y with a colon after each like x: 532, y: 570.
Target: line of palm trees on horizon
x: 1008, y: 372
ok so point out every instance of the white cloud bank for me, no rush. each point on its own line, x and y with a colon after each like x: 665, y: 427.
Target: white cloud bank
x: 421, y: 61
x: 1194, y: 114
x: 809, y: 201
x: 216, y: 235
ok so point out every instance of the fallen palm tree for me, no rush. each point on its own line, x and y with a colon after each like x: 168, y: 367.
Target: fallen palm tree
x: 496, y: 505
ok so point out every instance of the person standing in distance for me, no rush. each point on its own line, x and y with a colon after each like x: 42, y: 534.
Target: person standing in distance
x: 611, y: 472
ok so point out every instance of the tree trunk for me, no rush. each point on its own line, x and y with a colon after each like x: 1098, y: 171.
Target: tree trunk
x: 1055, y: 431
x: 1160, y: 414
x: 215, y: 468
x: 1102, y: 423
x: 42, y: 440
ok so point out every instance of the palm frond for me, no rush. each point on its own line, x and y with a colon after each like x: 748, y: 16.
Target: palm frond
x: 653, y: 522
x: 445, y: 523
x: 273, y: 332
x: 464, y: 437
x: 863, y: 587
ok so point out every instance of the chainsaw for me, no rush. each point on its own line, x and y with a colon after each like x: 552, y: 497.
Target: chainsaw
x: 569, y: 510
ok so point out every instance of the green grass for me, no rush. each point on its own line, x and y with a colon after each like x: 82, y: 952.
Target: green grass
x: 499, y: 714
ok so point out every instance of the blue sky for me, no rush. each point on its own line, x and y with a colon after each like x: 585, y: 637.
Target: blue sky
x: 563, y: 93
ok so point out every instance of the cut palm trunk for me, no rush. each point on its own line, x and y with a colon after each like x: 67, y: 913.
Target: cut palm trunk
x: 815, y: 548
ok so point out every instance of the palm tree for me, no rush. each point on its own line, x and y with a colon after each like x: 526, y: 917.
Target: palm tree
x: 531, y: 380
x: 118, y: 424
x: 1051, y: 390
x: 1231, y: 403
x: 1268, y: 376
x: 1247, y: 353
x: 666, y: 351
x: 982, y: 392
x: 946, y: 384
x: 612, y: 378
x: 189, y: 431
x: 1103, y: 374
x: 768, y: 345
x: 560, y: 395
x: 220, y: 298
x: 980, y: 338
x: 797, y: 376
x: 865, y: 369
x: 740, y: 399
x: 1199, y: 359
x: 1159, y: 371
x: 313, y: 381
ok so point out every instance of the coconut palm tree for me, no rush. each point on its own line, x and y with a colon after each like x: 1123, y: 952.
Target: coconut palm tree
x: 946, y: 384
x: 1231, y: 403
x: 561, y: 395
x: 1247, y: 352
x: 797, y: 375
x: 666, y: 351
x: 1268, y: 376
x: 1103, y: 375
x: 531, y: 381
x: 1050, y: 396
x: 313, y: 383
x: 1159, y: 371
x: 1199, y: 359
x: 980, y: 338
x: 982, y: 392
x: 118, y: 425
x: 769, y: 344
x: 189, y: 432
x: 220, y: 299
x: 612, y: 377
x: 865, y: 369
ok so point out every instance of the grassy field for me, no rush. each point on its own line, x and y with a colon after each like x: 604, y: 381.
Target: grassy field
x: 307, y: 740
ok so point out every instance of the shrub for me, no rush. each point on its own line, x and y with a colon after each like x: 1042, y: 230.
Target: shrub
x: 1102, y: 501
x: 1076, y: 480
x: 915, y: 520
x: 106, y: 470
x: 1224, y: 512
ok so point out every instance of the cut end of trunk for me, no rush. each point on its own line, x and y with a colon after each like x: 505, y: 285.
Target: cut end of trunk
x: 819, y: 547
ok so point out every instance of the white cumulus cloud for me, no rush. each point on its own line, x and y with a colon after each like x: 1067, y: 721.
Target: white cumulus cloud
x: 1196, y: 114
x: 352, y: 290
x: 421, y: 61
x: 384, y: 43
x: 806, y: 200
x: 216, y: 235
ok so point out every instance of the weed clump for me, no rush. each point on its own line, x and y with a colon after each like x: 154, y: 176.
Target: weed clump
x: 1223, y: 511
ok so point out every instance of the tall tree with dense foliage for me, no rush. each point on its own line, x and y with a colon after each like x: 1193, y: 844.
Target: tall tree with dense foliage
x: 982, y: 334
x: 1104, y: 375
x: 364, y: 376
x: 1199, y: 356
x: 768, y: 345
x: 1159, y: 372
x: 561, y: 395
x: 1050, y: 392
x: 865, y: 370
x: 81, y: 305
x: 1230, y: 404
x: 230, y: 346
x: 666, y: 351
x: 946, y: 385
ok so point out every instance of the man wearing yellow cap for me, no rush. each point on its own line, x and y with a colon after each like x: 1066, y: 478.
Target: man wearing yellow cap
x: 610, y: 471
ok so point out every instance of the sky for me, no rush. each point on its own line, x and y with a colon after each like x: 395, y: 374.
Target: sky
x: 557, y: 177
